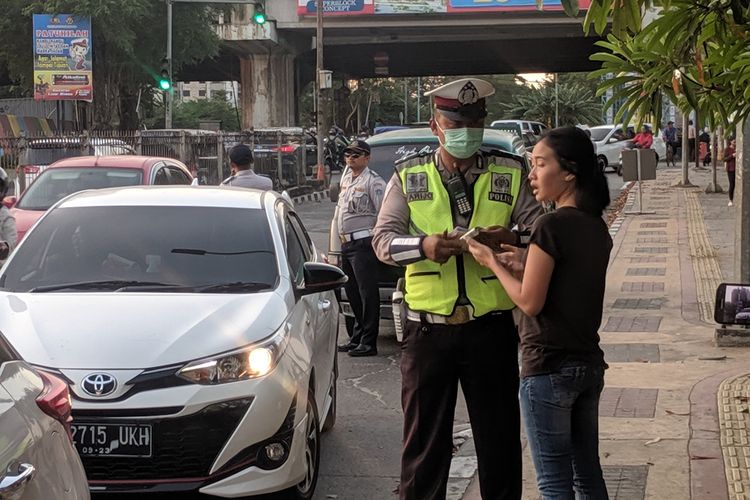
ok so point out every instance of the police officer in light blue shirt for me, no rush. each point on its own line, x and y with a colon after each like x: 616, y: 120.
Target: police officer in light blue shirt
x: 357, y: 211
x: 241, y: 161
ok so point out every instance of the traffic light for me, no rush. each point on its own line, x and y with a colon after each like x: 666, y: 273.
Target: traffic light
x: 165, y: 82
x: 259, y: 14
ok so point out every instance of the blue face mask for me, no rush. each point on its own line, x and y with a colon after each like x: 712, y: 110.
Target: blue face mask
x: 462, y: 142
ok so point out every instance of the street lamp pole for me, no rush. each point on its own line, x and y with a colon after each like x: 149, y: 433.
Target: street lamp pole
x: 168, y: 92
x: 318, y: 72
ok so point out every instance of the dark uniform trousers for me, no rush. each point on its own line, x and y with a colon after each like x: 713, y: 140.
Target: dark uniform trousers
x: 361, y: 265
x: 483, y: 356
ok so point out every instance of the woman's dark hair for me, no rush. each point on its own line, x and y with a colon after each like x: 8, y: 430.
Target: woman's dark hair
x: 575, y: 152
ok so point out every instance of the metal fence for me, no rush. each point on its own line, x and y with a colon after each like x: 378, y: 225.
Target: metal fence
x: 286, y: 155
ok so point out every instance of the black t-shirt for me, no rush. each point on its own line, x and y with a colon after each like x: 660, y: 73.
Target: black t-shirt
x: 566, y: 329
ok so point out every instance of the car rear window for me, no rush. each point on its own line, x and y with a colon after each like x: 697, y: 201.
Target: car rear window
x: 46, y: 156
x: 55, y: 184
x: 181, y: 246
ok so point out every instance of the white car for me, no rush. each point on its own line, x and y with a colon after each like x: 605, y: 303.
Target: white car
x: 37, y: 457
x: 526, y: 126
x: 197, y: 331
x: 610, y: 140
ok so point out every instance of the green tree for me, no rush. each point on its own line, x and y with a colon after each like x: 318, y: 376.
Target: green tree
x: 575, y: 104
x: 129, y: 42
x: 696, y: 52
x: 189, y: 114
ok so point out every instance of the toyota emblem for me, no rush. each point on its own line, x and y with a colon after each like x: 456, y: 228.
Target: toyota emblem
x: 99, y: 384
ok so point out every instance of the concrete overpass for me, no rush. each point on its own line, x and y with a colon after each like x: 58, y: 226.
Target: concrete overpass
x: 387, y: 38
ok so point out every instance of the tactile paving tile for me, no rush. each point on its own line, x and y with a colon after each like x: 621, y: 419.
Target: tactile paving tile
x: 734, y: 421
x: 628, y: 402
x: 632, y: 324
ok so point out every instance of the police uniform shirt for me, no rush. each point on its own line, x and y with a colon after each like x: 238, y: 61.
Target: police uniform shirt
x: 249, y: 179
x: 394, y: 216
x: 359, y: 201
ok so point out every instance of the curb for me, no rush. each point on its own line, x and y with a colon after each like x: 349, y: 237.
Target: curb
x: 316, y: 196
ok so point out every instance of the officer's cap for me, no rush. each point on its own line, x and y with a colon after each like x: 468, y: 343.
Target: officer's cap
x: 358, y: 146
x: 462, y: 100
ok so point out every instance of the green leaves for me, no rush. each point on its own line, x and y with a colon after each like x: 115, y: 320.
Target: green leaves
x: 705, y: 41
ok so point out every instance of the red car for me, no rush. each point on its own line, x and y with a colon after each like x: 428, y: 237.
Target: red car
x: 71, y: 175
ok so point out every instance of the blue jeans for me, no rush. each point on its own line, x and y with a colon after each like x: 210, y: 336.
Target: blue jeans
x: 561, y: 414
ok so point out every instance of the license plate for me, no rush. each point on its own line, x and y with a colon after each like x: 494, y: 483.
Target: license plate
x: 112, y: 440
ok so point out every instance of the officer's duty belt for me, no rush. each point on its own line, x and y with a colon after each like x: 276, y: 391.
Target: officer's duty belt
x: 356, y: 235
x: 461, y: 315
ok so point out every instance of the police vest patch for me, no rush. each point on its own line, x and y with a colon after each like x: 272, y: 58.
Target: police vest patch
x: 416, y: 187
x: 501, y: 187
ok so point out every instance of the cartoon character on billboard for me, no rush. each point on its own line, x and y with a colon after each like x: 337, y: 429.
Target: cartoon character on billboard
x: 77, y: 53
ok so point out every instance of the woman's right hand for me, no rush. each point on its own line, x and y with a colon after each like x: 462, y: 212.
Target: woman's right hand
x: 513, y: 259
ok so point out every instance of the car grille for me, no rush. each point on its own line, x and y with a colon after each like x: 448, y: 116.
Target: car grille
x: 183, y: 447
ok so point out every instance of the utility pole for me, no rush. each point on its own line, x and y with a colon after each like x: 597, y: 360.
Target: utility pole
x: 419, y: 95
x: 557, y: 110
x: 685, y: 153
x: 406, y: 102
x: 318, y: 89
x: 742, y: 205
x: 168, y: 92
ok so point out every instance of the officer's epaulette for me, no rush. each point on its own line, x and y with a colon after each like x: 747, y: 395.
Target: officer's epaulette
x: 416, y: 158
x: 489, y: 154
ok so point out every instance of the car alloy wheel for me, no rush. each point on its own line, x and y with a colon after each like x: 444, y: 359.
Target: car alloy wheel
x: 330, y: 420
x: 305, y: 488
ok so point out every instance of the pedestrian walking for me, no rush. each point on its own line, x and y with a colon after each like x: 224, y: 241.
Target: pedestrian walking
x: 356, y: 212
x: 561, y: 295
x: 8, y: 234
x: 243, y: 175
x: 670, y: 138
x: 730, y: 162
x: 459, y: 327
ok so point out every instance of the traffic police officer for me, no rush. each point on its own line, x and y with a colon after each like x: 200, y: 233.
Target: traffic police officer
x: 357, y: 210
x: 459, y: 326
x: 241, y: 161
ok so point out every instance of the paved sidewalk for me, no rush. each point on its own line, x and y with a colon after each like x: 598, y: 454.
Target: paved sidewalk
x: 662, y: 434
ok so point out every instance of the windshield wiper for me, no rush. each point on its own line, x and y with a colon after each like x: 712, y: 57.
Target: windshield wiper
x: 198, y: 251
x: 103, y: 284
x: 235, y: 286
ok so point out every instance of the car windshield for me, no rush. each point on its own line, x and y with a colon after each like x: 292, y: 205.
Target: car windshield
x: 55, y: 184
x: 47, y: 155
x: 598, y: 134
x: 142, y: 248
x: 383, y: 157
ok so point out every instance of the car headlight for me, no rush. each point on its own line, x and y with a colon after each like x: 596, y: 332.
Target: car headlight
x: 252, y: 361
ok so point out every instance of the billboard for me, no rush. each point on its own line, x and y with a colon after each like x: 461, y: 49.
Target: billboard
x: 359, y: 7
x: 62, y: 57
x: 336, y: 7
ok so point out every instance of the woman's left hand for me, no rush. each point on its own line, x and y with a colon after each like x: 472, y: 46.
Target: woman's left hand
x: 482, y: 253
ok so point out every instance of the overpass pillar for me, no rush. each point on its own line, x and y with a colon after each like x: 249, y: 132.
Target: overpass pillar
x: 267, y: 90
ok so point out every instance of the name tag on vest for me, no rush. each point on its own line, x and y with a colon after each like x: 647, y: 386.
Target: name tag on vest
x: 417, y: 188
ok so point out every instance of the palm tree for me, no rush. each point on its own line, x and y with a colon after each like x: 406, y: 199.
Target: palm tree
x: 576, y: 104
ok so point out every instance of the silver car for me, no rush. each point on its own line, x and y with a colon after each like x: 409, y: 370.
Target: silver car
x: 37, y: 456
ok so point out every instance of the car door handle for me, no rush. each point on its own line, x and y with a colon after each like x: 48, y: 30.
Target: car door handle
x: 15, y: 481
x: 324, y: 305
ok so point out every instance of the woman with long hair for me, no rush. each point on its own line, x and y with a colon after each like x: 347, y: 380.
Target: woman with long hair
x: 560, y: 290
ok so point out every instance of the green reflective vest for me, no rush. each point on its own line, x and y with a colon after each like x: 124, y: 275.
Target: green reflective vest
x: 433, y: 287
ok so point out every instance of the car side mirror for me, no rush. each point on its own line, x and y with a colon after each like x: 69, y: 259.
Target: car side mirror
x: 10, y: 201
x: 613, y: 139
x: 334, y: 191
x: 321, y: 277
